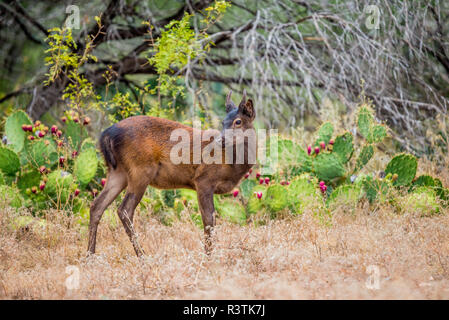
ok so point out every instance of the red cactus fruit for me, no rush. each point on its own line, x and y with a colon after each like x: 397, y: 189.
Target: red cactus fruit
x: 41, y: 134
x: 77, y: 192
x: 322, y: 183
x: 86, y: 121
x: 322, y: 145
x: 94, y: 192
x: 61, y: 160
x: 309, y: 150
x: 25, y: 127
x: 60, y: 143
x: 76, y: 119
x: 267, y: 180
x: 74, y: 154
x: 37, y: 123
x: 258, y: 175
x: 246, y: 175
x: 103, y: 182
x: 33, y: 189
x: 317, y: 150
x: 54, y: 129
x: 42, y: 169
x: 235, y: 193
x: 42, y: 186
x: 31, y: 138
x: 64, y: 119
x: 331, y: 141
x: 259, y: 195
x: 261, y: 181
x: 250, y: 171
x: 59, y: 133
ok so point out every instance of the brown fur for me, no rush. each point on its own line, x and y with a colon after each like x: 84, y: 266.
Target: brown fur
x: 137, y: 151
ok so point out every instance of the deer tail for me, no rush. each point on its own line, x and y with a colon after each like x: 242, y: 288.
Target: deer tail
x: 107, y: 148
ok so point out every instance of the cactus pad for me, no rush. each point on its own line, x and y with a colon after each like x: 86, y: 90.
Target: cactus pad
x: 328, y: 166
x: 324, y: 133
x: 10, y: 196
x: 343, y: 147
x: 255, y: 204
x: 57, y: 182
x: 9, y: 161
x: 276, y: 198
x: 365, y: 121
x: 422, y: 200
x: 364, y: 157
x: 345, y: 195
x: 404, y: 165
x: 246, y: 187
x: 43, y: 154
x: 379, y: 132
x: 86, y: 165
x: 75, y: 133
x: 13, y: 130
x: 28, y: 180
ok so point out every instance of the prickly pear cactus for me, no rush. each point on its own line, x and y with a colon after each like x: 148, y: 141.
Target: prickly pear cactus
x: 300, y: 192
x: 88, y: 143
x: 328, y: 166
x: 9, y: 161
x: 376, y: 189
x: 13, y: 130
x: 276, y: 198
x: 423, y: 201
x: 426, y: 181
x: 379, y: 132
x: 404, y: 165
x: 28, y: 179
x: 324, y: 133
x: 365, y: 120
x: 246, y: 187
x: 86, y: 165
x: 57, y: 181
x: 231, y: 211
x: 254, y: 204
x: 43, y: 153
x: 364, y: 157
x: 345, y: 195
x: 372, y: 132
x: 2, y: 179
x: 75, y: 133
x: 344, y: 147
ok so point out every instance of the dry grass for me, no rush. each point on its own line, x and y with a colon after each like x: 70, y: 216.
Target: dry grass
x: 296, y: 258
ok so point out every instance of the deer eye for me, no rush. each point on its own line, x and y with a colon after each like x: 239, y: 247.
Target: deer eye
x: 238, y: 122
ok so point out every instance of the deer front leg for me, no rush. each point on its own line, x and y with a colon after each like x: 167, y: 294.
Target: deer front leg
x: 206, y: 204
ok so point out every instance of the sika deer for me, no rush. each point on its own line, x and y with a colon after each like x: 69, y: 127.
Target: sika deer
x: 137, y: 151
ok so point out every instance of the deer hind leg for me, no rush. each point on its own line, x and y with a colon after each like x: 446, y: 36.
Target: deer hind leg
x: 115, y: 183
x: 126, y: 212
x: 206, y: 204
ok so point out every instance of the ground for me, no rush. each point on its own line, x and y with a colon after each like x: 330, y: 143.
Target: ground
x: 292, y: 258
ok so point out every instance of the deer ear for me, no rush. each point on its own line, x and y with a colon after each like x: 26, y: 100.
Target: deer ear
x: 248, y: 109
x: 229, y: 104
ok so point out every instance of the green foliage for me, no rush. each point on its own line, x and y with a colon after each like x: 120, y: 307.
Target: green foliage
x: 423, y: 200
x: 404, y: 165
x: 10, y: 196
x: 376, y: 189
x: 232, y: 211
x: 13, y: 130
